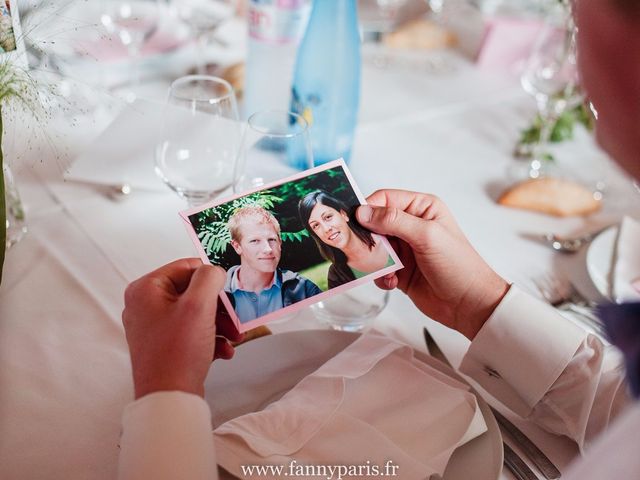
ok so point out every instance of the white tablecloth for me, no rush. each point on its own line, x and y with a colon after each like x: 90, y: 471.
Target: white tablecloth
x: 65, y: 374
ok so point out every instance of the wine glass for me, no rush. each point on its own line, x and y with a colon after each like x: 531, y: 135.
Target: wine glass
x: 204, y: 17
x: 377, y: 18
x: 275, y: 145
x: 551, y: 77
x: 132, y: 22
x: 200, y: 137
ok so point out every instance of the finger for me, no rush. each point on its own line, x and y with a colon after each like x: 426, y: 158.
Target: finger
x: 224, y: 349
x: 388, y: 282
x: 177, y: 273
x: 418, y: 204
x: 393, y: 221
x: 206, y: 283
x: 225, y: 325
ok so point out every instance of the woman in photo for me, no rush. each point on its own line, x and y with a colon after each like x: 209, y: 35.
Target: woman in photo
x: 351, y: 249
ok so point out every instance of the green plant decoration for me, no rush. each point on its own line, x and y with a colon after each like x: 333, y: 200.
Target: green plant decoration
x: 562, y: 130
x: 16, y: 88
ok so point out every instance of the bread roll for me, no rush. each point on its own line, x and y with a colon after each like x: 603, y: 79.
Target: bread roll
x: 420, y: 34
x: 553, y: 196
x: 234, y: 74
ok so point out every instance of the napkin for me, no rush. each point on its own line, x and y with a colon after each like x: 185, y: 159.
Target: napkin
x: 507, y: 43
x: 373, y: 404
x: 625, y: 284
x: 124, y: 152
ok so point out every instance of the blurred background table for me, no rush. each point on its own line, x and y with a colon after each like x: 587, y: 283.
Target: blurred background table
x: 65, y: 374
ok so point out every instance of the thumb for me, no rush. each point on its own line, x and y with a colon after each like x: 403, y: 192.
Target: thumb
x: 206, y: 282
x: 391, y: 221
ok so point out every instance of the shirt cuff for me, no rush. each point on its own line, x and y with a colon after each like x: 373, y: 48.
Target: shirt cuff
x: 521, y: 350
x: 167, y: 435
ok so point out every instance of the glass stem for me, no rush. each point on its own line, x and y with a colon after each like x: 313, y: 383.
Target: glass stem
x: 134, y: 49
x: 540, y: 156
x: 542, y: 148
x: 201, y: 63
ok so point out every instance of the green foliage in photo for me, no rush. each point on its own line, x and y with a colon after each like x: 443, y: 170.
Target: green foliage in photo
x: 282, y: 201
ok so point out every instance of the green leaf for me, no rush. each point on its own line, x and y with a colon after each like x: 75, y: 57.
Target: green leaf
x: 212, y: 245
x: 563, y: 128
x: 547, y: 157
x: 298, y: 236
x: 208, y: 238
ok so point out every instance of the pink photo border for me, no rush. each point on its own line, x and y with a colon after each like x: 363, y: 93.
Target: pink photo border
x: 243, y: 327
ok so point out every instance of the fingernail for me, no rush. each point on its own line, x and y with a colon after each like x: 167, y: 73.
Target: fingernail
x: 364, y: 213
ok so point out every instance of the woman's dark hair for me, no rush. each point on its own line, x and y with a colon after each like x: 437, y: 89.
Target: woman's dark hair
x: 305, y: 207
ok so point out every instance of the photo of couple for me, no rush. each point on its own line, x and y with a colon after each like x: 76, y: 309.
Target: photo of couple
x: 290, y: 244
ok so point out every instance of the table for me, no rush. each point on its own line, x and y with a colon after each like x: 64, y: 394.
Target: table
x: 65, y: 374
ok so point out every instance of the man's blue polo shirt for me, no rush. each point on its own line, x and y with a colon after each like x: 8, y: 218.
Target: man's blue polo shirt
x: 251, y: 305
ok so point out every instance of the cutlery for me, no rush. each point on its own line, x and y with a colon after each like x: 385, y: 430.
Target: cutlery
x: 561, y: 294
x: 515, y: 464
x: 566, y: 244
x: 539, y: 459
x: 511, y: 460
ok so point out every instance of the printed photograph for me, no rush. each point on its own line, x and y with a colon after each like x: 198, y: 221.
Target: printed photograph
x: 7, y: 34
x: 290, y: 245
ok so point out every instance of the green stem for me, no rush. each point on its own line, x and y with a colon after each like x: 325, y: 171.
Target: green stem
x: 3, y: 210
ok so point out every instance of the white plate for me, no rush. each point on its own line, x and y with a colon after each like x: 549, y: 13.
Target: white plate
x: 263, y: 370
x: 600, y: 257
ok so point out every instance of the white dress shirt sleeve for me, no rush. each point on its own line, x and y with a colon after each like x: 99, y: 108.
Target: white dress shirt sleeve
x: 546, y: 368
x: 167, y: 435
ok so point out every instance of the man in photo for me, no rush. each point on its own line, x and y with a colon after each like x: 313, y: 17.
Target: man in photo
x: 257, y: 286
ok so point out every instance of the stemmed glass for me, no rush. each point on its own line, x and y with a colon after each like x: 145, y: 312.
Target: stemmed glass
x: 200, y: 137
x: 204, y: 17
x: 376, y: 18
x: 132, y: 22
x: 438, y: 63
x: 551, y: 77
x: 275, y: 145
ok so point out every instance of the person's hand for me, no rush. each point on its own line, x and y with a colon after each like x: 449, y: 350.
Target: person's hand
x: 175, y: 327
x: 444, y: 276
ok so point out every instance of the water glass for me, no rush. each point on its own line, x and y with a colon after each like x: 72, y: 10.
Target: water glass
x: 132, y: 22
x: 204, y: 17
x: 551, y: 77
x: 198, y: 145
x: 354, y: 310
x: 275, y: 145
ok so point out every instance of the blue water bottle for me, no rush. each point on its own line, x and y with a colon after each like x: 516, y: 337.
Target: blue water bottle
x: 326, y: 81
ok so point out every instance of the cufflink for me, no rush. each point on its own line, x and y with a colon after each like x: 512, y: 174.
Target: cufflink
x: 491, y: 372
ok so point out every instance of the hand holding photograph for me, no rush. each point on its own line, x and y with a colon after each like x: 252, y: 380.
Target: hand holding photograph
x: 289, y: 244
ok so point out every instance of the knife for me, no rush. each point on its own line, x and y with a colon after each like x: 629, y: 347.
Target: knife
x: 539, y: 459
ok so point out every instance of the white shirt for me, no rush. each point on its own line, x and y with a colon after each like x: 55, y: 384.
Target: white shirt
x: 536, y: 362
